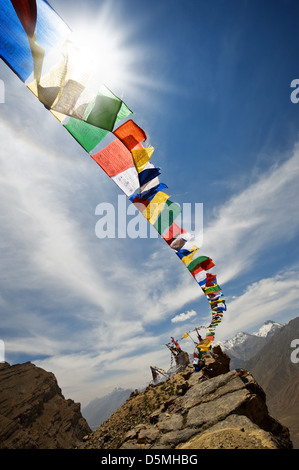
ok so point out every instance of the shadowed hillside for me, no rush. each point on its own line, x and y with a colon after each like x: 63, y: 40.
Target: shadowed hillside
x: 279, y: 377
x: 33, y: 412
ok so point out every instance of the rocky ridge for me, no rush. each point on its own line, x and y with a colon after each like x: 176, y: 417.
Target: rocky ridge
x: 33, y: 412
x: 210, y: 409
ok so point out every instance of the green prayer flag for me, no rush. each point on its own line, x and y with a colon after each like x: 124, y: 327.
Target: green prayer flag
x: 105, y: 110
x: 211, y: 289
x: 87, y: 135
x: 167, y: 216
x: 123, y: 113
x: 196, y: 262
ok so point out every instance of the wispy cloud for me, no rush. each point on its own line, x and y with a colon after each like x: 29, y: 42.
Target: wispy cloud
x: 114, y: 293
x: 183, y: 316
x: 266, y: 299
x: 261, y: 216
x: 41, y: 228
x: 63, y: 290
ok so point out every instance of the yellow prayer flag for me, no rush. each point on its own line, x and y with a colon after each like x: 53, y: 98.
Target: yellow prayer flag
x: 185, y: 335
x: 155, y: 206
x: 187, y: 259
x: 59, y: 116
x: 59, y: 81
x: 141, y: 157
x: 204, y: 345
x: 38, y: 54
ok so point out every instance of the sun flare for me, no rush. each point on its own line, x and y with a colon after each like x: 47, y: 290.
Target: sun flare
x: 117, y: 60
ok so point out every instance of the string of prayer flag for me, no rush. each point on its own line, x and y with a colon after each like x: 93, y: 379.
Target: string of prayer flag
x: 39, y: 48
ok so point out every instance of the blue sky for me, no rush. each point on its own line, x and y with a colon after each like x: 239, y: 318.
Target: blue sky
x: 209, y: 82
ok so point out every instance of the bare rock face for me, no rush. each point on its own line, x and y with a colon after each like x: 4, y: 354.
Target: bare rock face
x: 33, y: 412
x: 211, y: 409
x: 226, y: 411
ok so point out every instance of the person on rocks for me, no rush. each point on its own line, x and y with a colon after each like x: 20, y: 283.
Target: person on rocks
x: 197, y: 361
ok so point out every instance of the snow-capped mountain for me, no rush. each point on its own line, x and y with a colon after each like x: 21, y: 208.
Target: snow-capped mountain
x: 268, y: 328
x: 244, y: 345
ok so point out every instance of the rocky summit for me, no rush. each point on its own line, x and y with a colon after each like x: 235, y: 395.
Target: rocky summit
x: 214, y: 408
x: 33, y: 412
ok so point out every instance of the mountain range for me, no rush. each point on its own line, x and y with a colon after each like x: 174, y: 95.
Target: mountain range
x: 245, y: 345
x: 99, y: 409
x: 267, y: 355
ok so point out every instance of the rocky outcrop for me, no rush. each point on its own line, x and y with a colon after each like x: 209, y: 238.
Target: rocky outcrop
x: 211, y: 409
x: 33, y: 412
x: 227, y: 411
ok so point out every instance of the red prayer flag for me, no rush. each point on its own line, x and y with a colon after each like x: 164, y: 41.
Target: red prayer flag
x: 196, y: 270
x: 207, y: 264
x: 130, y: 134
x: 173, y: 232
x: 200, y: 264
x: 114, y: 159
x: 210, y: 279
x: 27, y: 13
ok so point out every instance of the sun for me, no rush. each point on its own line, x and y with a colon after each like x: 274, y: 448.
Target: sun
x: 113, y: 42
x: 117, y: 57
